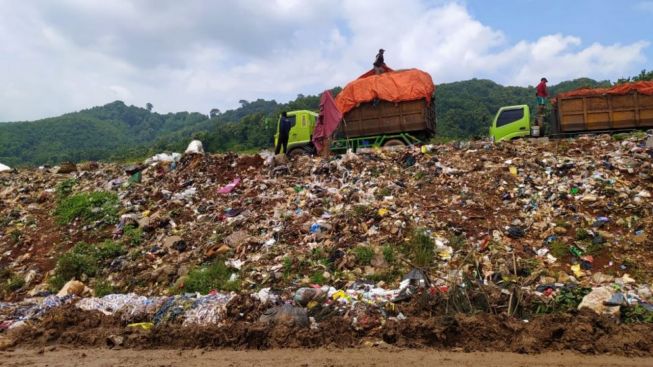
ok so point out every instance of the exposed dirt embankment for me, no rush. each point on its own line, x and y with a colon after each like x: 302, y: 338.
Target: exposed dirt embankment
x: 583, y: 332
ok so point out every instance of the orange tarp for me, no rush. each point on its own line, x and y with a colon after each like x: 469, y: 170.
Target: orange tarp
x: 394, y: 86
x: 620, y: 89
x: 372, y: 72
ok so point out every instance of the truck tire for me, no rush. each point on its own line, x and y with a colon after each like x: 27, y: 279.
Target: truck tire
x: 394, y: 143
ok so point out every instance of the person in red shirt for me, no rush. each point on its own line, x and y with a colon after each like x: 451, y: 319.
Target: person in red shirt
x: 542, y: 94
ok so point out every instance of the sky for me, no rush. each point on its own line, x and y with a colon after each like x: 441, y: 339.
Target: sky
x: 194, y: 55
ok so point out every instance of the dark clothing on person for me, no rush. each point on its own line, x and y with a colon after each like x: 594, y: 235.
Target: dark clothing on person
x: 282, y: 144
x: 285, y: 125
x: 379, y: 62
x: 284, y: 132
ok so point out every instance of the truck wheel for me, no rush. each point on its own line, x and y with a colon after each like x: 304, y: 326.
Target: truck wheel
x: 394, y: 143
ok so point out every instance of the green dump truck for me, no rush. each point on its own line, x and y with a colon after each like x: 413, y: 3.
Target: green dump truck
x: 370, y: 125
x: 375, y: 110
x: 587, y: 111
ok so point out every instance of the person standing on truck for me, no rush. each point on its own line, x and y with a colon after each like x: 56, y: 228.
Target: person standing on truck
x: 379, y: 63
x: 542, y: 93
x: 284, y: 132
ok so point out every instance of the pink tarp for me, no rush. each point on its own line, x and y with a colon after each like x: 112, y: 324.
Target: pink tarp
x: 327, y: 122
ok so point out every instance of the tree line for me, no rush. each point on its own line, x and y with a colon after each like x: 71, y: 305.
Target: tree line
x: 116, y: 131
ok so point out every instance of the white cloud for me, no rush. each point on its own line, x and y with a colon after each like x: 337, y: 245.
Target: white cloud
x: 56, y: 57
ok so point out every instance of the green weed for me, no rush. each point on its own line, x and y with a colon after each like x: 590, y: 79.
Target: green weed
x: 628, y: 135
x: 317, y: 254
x: 133, y: 235
x: 582, y: 234
x: 216, y: 275
x: 84, y: 259
x: 16, y: 235
x: 103, y: 287
x: 422, y: 247
x: 363, y: 254
x: 15, y: 283
x: 65, y: 188
x: 89, y: 207
x: 566, y: 300
x: 73, y: 265
x: 287, y: 266
x: 109, y: 250
x: 384, y: 192
x: 593, y: 248
x: 318, y: 277
x: 636, y: 315
x: 569, y: 298
x: 389, y: 253
x: 559, y: 249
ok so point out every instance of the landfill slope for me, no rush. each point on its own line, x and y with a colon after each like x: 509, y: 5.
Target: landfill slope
x: 540, y: 244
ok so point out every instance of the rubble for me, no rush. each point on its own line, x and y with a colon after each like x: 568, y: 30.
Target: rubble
x: 75, y: 287
x: 597, y: 299
x: 67, y: 167
x: 477, y: 227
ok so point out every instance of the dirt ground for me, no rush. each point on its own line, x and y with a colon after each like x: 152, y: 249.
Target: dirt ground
x: 301, y: 357
x: 582, y: 332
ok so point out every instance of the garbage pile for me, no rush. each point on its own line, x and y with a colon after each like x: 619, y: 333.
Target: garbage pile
x: 519, y: 228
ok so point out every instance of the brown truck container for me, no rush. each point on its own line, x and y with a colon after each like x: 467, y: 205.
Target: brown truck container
x: 369, y: 119
x: 603, y: 112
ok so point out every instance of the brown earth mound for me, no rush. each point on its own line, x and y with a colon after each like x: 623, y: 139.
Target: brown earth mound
x: 584, y: 332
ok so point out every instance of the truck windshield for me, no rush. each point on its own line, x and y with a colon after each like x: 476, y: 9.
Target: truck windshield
x: 509, y: 116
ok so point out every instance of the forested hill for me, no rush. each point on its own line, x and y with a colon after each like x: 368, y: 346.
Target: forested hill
x: 98, y: 133
x: 117, y: 131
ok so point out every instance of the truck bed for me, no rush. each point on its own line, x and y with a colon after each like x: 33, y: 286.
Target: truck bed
x: 604, y: 112
x: 388, y: 118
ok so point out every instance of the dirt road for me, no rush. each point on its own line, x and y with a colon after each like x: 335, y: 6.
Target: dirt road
x: 301, y: 357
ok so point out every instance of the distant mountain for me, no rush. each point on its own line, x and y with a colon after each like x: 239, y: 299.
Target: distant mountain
x: 116, y: 131
x: 94, y: 134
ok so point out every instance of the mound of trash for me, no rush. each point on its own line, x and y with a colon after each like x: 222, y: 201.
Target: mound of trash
x: 523, y: 229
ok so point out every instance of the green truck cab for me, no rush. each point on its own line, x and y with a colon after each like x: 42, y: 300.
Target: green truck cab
x: 302, y: 124
x: 511, y: 122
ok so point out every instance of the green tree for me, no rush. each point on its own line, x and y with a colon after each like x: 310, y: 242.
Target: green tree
x: 643, y: 76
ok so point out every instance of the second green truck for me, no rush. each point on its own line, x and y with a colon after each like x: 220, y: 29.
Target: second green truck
x: 582, y: 112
